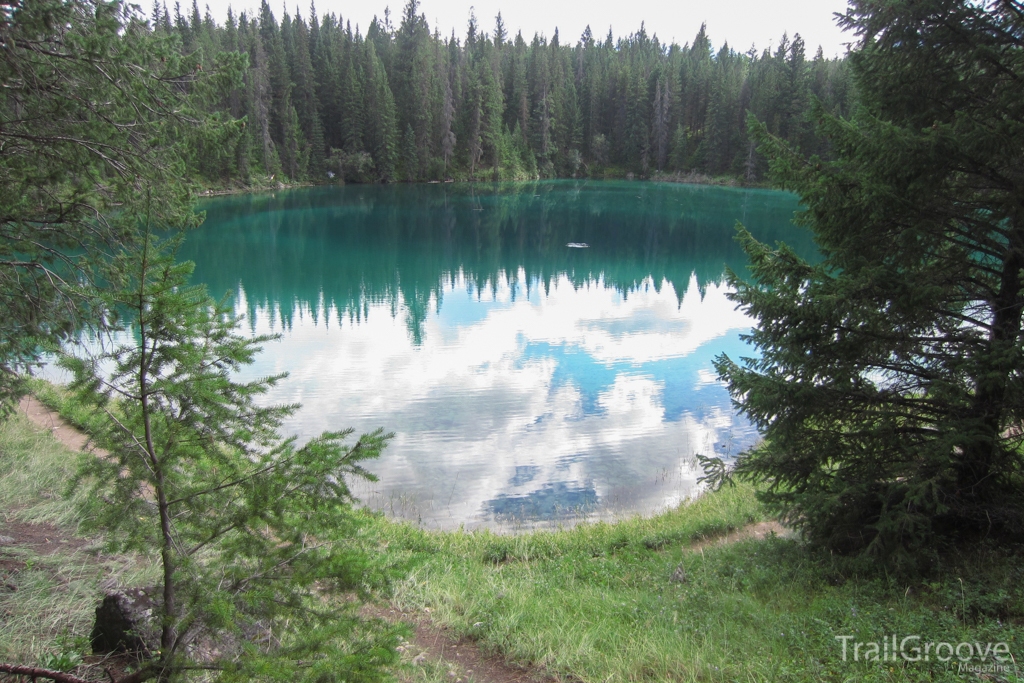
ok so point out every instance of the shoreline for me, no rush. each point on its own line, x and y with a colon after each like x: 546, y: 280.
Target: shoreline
x: 49, y: 407
x: 677, y: 178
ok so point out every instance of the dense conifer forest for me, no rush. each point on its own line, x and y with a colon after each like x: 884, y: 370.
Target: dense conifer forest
x: 321, y: 100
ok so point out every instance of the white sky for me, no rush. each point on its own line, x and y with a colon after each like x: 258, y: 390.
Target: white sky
x: 740, y: 22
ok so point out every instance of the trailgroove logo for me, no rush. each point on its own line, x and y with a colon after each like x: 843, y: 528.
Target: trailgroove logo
x: 971, y: 657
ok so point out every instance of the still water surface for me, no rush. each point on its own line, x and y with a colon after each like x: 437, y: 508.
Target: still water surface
x: 527, y: 382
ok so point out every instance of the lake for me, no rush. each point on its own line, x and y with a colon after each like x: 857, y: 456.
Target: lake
x: 528, y: 382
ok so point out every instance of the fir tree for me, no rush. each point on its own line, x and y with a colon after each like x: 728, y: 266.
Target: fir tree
x: 889, y: 385
x: 381, y: 124
x: 410, y: 160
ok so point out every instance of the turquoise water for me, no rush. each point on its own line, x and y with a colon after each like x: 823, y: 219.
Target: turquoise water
x: 528, y: 382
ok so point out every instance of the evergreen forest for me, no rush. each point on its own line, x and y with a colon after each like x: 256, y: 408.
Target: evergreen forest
x: 321, y: 100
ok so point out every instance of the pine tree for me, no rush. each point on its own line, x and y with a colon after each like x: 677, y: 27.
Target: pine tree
x: 283, y: 124
x: 327, y: 62
x: 352, y: 105
x: 410, y: 159
x: 249, y: 527
x: 259, y: 98
x: 473, y: 107
x: 492, y: 107
x: 660, y: 126
x: 889, y: 384
x: 304, y: 97
x: 411, y: 80
x: 448, y: 140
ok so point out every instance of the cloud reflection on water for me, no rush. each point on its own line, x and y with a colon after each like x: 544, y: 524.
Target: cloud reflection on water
x: 557, y: 403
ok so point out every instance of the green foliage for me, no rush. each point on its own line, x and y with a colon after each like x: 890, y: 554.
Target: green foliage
x: 425, y: 107
x: 606, y: 601
x: 276, y: 98
x: 255, y: 534
x: 381, y: 127
x: 50, y: 592
x: 888, y: 385
x: 62, y: 661
x: 279, y: 96
x: 716, y: 472
x: 410, y: 161
x: 93, y: 112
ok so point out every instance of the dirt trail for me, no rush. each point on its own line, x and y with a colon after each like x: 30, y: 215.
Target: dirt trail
x: 41, y: 416
x: 757, y: 531
x: 40, y: 537
x: 461, y: 657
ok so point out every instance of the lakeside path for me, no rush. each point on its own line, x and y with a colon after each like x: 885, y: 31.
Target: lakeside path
x: 433, y: 653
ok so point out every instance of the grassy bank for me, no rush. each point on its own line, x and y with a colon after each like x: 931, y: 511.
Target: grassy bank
x: 50, y: 579
x: 598, y: 603
x: 658, y: 599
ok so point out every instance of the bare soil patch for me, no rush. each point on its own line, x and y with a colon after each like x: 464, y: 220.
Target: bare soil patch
x: 47, y: 419
x: 757, y: 531
x: 39, y: 537
x: 464, y: 658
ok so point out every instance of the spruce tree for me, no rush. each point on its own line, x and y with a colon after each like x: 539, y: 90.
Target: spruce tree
x: 304, y: 98
x: 381, y: 125
x: 888, y: 384
x: 410, y: 162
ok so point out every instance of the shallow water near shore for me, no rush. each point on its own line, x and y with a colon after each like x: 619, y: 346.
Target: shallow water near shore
x: 528, y: 382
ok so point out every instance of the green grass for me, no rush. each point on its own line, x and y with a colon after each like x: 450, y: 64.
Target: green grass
x: 48, y: 601
x: 596, y: 603
x: 58, y: 398
x: 35, y: 470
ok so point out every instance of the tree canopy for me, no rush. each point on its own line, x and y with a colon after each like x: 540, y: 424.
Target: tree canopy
x: 889, y: 383
x: 400, y: 103
x: 101, y: 122
x: 93, y: 118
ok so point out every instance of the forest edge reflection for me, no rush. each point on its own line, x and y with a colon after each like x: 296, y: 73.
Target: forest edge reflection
x: 450, y: 269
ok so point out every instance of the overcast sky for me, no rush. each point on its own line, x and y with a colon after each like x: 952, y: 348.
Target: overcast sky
x: 740, y: 22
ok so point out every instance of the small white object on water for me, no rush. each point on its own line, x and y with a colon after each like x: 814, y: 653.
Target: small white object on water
x: 578, y: 245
